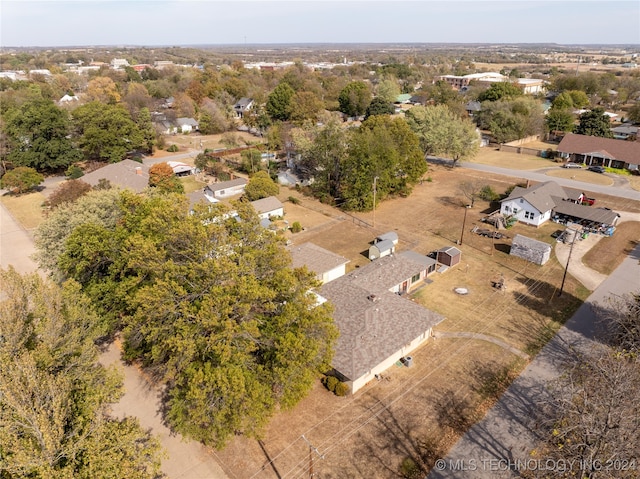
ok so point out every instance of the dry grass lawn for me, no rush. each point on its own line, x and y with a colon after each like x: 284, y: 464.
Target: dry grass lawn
x: 503, y: 159
x: 625, y: 238
x: 26, y: 209
x: 199, y: 142
x: 371, y: 433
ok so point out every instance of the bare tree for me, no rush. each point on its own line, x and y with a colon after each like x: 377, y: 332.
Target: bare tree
x: 620, y: 318
x: 470, y: 190
x: 595, y: 417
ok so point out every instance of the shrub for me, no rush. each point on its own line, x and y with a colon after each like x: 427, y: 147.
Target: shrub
x: 330, y: 383
x: 21, y: 179
x: 68, y: 192
x: 341, y: 389
x: 74, y: 172
x: 488, y: 194
x: 296, y: 227
x: 294, y: 200
x: 172, y: 148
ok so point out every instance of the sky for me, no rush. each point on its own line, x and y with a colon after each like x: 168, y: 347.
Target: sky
x: 46, y: 23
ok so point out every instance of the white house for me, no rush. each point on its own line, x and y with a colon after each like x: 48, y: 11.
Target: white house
x: 242, y: 106
x: 268, y: 207
x: 326, y: 265
x: 377, y: 325
x: 534, y: 205
x: 187, y: 125
x: 224, y: 189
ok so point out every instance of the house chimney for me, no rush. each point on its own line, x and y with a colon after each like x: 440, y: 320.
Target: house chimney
x: 138, y: 170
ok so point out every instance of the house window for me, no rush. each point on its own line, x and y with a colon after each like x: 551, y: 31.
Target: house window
x: 528, y: 215
x: 521, y: 200
x: 415, y: 278
x: 507, y: 209
x: 515, y: 211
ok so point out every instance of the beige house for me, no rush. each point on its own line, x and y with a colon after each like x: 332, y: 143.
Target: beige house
x: 377, y: 325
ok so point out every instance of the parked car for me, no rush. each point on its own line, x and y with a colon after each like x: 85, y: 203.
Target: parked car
x: 597, y: 168
x: 572, y: 165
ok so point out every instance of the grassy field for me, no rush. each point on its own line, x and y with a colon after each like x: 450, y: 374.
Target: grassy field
x: 625, y: 238
x: 26, y: 209
x: 371, y: 433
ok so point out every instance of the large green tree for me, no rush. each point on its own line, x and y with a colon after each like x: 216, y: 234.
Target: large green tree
x: 355, y: 98
x: 279, y: 102
x: 594, y: 123
x: 500, y: 91
x: 510, y: 120
x: 38, y: 136
x: 210, y: 304
x: 443, y: 133
x: 559, y: 120
x: 384, y: 148
x: 260, y: 186
x: 107, y: 132
x: 55, y: 396
x: 380, y: 106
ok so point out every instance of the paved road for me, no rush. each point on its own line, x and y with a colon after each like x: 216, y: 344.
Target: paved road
x: 508, y: 431
x: 616, y: 190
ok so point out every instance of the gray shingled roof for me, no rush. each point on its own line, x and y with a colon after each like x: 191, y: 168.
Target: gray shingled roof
x: 375, y: 323
x: 391, y: 235
x: 265, y: 205
x: 126, y: 174
x: 598, y: 215
x: 315, y: 258
x: 418, y: 258
x: 223, y: 185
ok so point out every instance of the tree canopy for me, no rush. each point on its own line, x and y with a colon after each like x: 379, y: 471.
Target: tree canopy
x: 386, y: 148
x: 162, y: 177
x: 594, y: 123
x: 355, y: 98
x: 21, y: 179
x: 261, y: 186
x: 500, y: 91
x: 380, y: 106
x: 38, y: 136
x: 106, y: 132
x: 54, y: 396
x: 443, y: 133
x: 279, y: 102
x: 209, y: 303
x: 510, y: 120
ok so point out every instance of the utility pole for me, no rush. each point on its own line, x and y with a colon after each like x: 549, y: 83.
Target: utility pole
x: 312, y: 450
x: 464, y: 220
x: 566, y: 268
x: 375, y: 185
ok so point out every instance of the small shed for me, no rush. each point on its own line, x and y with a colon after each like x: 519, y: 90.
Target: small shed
x: 535, y: 251
x: 449, y: 256
x: 381, y: 248
x: 390, y: 236
x: 180, y: 169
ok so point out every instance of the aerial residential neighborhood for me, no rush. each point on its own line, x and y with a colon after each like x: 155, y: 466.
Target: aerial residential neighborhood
x: 249, y: 248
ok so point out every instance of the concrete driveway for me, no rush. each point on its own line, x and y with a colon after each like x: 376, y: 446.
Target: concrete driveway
x: 500, y: 445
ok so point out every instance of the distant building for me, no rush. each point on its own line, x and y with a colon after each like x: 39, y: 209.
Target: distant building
x: 118, y: 63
